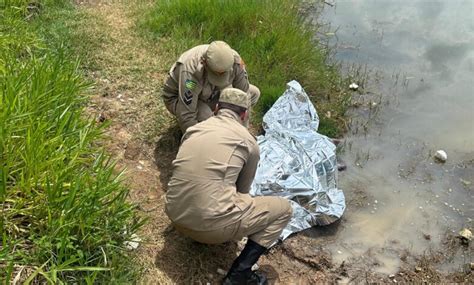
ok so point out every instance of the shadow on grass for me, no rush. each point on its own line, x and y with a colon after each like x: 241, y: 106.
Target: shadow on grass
x: 165, y: 152
x: 186, y: 261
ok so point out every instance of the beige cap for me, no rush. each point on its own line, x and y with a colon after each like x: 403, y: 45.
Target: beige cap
x: 219, y: 59
x: 236, y: 97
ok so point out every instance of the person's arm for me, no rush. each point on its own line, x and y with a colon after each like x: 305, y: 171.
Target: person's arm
x: 247, y: 174
x: 186, y: 108
x: 241, y: 80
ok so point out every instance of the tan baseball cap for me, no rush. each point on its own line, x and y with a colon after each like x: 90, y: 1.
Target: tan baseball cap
x: 236, y: 97
x: 219, y: 60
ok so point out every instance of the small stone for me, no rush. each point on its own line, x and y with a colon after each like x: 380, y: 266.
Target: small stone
x: 391, y: 276
x: 353, y: 86
x: 101, y: 118
x: 465, y: 182
x: 417, y: 269
x: 133, y: 243
x: 465, y: 235
x: 221, y: 271
x: 441, y: 156
x: 255, y: 267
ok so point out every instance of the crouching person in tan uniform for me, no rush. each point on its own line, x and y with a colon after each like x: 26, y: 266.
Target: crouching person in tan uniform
x: 194, y: 82
x: 207, y: 196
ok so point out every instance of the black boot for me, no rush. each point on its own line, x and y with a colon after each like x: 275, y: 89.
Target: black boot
x: 241, y: 272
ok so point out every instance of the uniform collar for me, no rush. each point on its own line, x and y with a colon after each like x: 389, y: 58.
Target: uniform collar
x: 230, y: 114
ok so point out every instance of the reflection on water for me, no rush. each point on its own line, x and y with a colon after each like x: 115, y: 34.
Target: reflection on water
x: 398, y: 197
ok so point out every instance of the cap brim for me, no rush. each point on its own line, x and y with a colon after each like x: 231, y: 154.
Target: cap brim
x: 220, y: 80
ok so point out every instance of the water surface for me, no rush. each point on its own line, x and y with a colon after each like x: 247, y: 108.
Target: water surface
x: 399, y: 198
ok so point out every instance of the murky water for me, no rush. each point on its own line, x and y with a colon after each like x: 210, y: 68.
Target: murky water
x: 399, y: 198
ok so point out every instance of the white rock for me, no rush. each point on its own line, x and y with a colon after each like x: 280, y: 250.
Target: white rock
x: 441, y: 155
x: 133, y: 243
x: 353, y: 86
x: 221, y: 271
x: 465, y: 234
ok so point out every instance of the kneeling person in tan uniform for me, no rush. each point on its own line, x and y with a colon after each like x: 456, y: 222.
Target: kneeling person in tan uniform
x: 208, y: 198
x: 192, y: 88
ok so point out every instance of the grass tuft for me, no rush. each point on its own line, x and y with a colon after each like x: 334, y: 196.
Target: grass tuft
x: 64, y: 214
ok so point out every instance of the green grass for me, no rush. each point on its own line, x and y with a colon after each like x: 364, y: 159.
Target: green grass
x: 64, y: 214
x: 272, y: 36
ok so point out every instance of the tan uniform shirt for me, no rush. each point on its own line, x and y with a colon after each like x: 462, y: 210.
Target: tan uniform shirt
x: 187, y: 82
x: 212, y: 174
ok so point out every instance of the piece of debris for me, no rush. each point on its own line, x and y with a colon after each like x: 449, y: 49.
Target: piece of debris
x: 133, y: 243
x: 221, y: 271
x: 255, y: 267
x: 391, y: 276
x: 468, y: 267
x: 353, y: 86
x: 427, y: 236
x: 441, y: 155
x: 101, y: 118
x: 418, y: 269
x: 341, y: 166
x: 465, y: 182
x: 241, y: 243
x: 465, y: 235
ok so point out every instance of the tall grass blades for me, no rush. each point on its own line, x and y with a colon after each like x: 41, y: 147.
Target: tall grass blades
x: 274, y: 38
x: 64, y: 214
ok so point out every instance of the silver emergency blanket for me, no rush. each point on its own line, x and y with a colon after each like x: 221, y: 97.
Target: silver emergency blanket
x: 298, y: 163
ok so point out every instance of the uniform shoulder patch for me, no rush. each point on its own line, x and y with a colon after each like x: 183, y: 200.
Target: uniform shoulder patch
x: 190, y: 84
x: 188, y: 97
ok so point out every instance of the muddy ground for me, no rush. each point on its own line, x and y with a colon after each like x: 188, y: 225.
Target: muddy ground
x: 143, y: 138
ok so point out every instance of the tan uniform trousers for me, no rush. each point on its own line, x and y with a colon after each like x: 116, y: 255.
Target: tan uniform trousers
x: 263, y: 224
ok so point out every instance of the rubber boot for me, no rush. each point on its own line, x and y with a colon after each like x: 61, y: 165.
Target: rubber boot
x: 241, y: 272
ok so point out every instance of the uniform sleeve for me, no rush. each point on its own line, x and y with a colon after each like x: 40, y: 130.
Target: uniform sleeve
x: 247, y: 174
x: 241, y: 80
x: 186, y: 107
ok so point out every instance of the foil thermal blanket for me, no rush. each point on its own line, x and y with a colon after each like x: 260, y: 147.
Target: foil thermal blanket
x: 298, y: 163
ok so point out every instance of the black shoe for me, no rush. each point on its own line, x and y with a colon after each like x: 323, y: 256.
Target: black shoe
x: 252, y: 278
x: 241, y: 272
